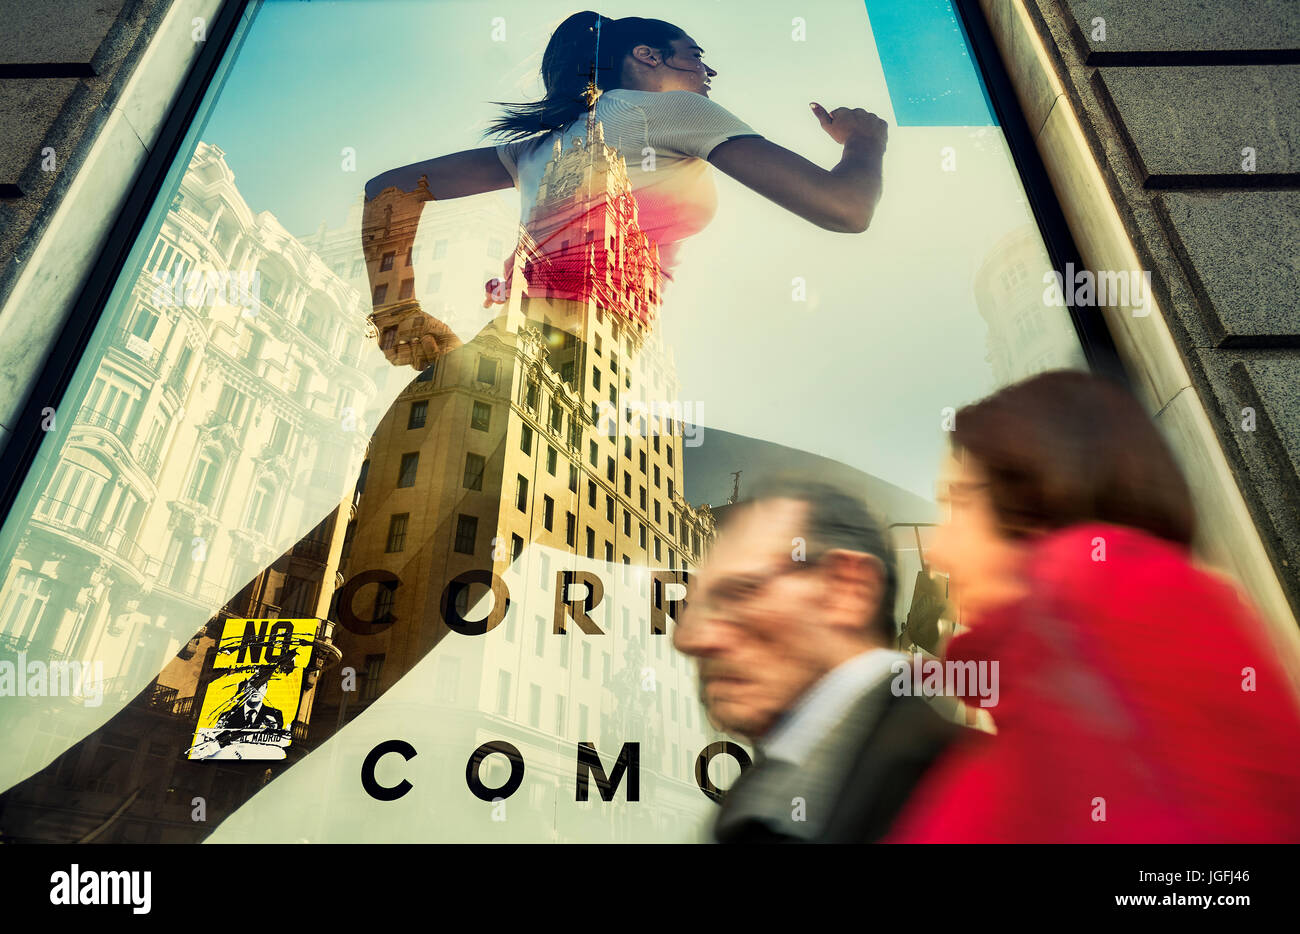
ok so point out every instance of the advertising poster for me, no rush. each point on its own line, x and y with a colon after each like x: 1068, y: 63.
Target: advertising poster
x: 446, y: 346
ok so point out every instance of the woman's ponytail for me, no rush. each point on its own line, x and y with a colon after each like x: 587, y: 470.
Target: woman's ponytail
x: 575, y: 52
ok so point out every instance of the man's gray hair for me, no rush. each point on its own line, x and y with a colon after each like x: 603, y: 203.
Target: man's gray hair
x: 837, y: 518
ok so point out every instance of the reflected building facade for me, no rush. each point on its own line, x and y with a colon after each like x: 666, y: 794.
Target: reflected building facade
x: 549, y: 443
x: 1025, y: 334
x: 206, y: 435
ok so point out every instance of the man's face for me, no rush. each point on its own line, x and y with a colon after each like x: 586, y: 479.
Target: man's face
x: 255, y: 694
x: 753, y: 616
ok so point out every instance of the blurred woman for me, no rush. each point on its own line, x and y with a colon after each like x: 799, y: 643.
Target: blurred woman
x: 1140, y: 699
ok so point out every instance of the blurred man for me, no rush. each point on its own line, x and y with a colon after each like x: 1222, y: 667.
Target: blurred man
x: 791, y: 620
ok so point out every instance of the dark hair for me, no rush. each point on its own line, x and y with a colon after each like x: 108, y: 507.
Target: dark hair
x: 836, y: 518
x: 1066, y: 447
x: 583, y: 43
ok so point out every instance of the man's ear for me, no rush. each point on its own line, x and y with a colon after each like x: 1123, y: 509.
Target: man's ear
x: 855, y: 586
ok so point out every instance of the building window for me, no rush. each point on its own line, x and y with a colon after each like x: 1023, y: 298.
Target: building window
x: 573, y: 478
x: 481, y: 417
x: 609, y: 508
x: 348, y: 538
x: 534, y: 705
x: 557, y: 417
x: 407, y: 289
x: 503, y: 686
x: 386, y: 263
x: 611, y: 473
x: 406, y: 474
x: 397, y: 532
x: 487, y: 370
x: 548, y: 512
x: 426, y: 375
x: 642, y: 453
x: 591, y: 543
x: 419, y: 412
x: 642, y: 492
x: 627, y: 483
x: 669, y: 449
x: 383, y: 602
x: 466, y: 532
x: 593, y: 454
x: 609, y: 552
x: 627, y: 523
x: 381, y: 293
x: 374, y: 665
x: 642, y: 536
x: 551, y: 460
x: 516, y: 547
x: 474, y: 464
x: 526, y: 439
x: 591, y: 493
x: 570, y: 529
x: 203, y: 482
x: 657, y: 519
x: 595, y: 377
x: 521, y: 494
x: 656, y: 474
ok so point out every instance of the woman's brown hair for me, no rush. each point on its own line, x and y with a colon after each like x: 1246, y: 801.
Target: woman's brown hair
x: 1066, y: 447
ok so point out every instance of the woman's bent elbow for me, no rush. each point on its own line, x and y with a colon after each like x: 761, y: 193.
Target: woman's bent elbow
x: 852, y: 222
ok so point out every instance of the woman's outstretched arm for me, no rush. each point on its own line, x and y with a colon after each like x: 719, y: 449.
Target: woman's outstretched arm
x: 424, y: 338
x: 469, y: 172
x: 842, y: 199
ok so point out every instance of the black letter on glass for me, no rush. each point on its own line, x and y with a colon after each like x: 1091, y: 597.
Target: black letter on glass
x: 372, y: 787
x: 628, y: 761
x: 483, y: 792
x: 706, y: 756
x: 500, y: 602
x: 351, y: 622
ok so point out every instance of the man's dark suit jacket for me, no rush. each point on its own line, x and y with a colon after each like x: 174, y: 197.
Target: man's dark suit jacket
x: 853, y: 784
x: 267, y: 717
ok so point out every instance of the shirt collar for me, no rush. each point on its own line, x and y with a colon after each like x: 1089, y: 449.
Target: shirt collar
x: 823, y: 705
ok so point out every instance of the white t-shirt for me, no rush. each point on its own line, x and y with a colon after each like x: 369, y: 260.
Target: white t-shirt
x: 665, y: 138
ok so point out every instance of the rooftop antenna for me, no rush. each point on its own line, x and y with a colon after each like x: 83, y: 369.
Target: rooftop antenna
x: 735, y: 486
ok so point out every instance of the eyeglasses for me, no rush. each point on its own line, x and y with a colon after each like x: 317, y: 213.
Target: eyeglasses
x: 743, y: 589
